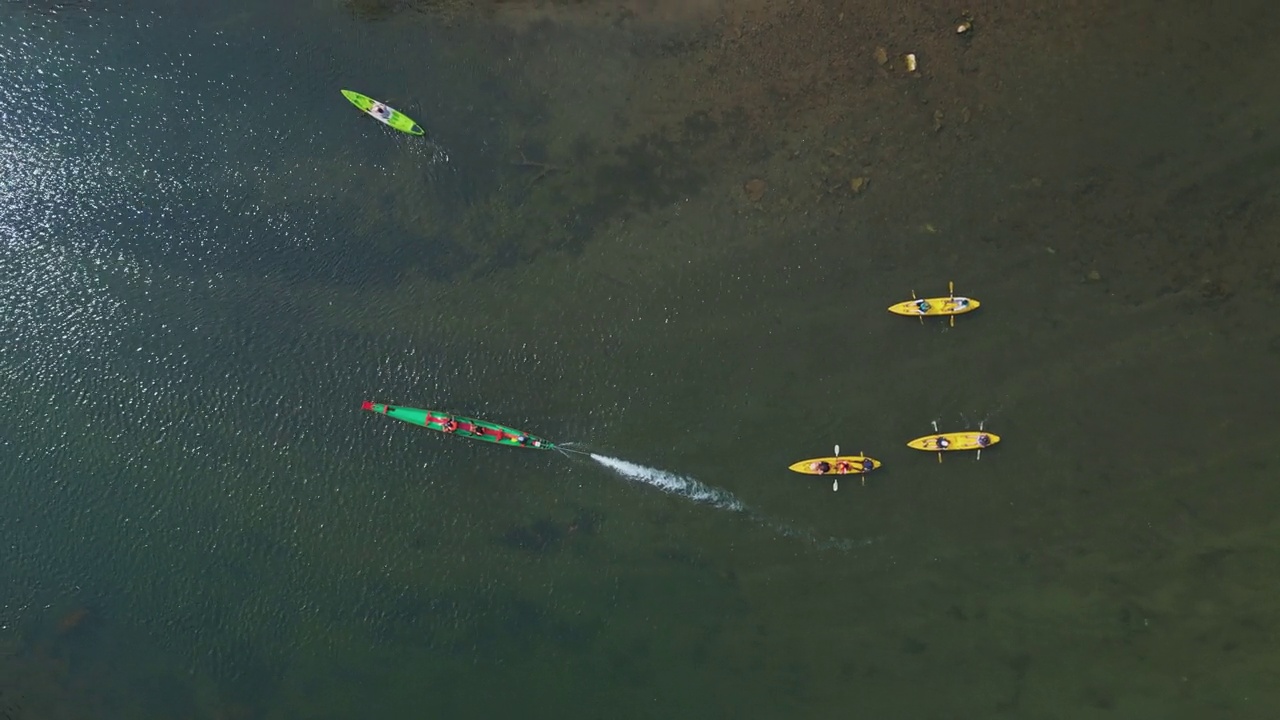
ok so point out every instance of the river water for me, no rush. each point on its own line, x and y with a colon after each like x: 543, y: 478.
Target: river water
x: 210, y: 259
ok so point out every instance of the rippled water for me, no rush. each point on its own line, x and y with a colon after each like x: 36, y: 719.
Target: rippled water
x: 190, y: 213
x: 208, y: 260
x: 183, y: 432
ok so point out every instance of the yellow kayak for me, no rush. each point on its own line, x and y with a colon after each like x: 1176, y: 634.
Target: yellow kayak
x: 852, y: 465
x: 946, y: 442
x: 967, y: 440
x: 837, y: 465
x: 951, y: 305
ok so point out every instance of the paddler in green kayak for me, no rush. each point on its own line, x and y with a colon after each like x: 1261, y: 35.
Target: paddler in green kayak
x: 383, y: 113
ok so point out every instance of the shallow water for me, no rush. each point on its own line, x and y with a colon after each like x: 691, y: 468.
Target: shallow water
x: 210, y: 259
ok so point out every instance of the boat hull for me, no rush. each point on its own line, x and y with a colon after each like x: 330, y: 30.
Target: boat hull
x: 462, y: 426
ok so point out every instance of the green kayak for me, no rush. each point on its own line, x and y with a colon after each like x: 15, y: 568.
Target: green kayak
x: 464, y: 426
x: 383, y: 113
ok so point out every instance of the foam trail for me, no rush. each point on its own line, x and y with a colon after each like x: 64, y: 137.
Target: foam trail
x: 674, y: 484
x: 689, y: 488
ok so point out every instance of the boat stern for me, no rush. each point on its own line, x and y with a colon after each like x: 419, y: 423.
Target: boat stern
x: 542, y: 443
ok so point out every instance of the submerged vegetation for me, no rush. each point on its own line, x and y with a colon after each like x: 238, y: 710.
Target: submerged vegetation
x: 385, y: 9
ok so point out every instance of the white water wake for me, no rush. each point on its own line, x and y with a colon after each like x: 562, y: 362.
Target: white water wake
x: 675, y: 484
x: 691, y: 489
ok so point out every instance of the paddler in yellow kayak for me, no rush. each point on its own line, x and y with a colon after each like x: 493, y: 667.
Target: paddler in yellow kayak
x: 837, y: 464
x: 842, y: 467
x: 941, y: 442
x: 950, y: 305
x: 964, y: 440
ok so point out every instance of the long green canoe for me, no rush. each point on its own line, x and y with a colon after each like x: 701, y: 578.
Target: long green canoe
x: 385, y: 114
x: 459, y: 425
